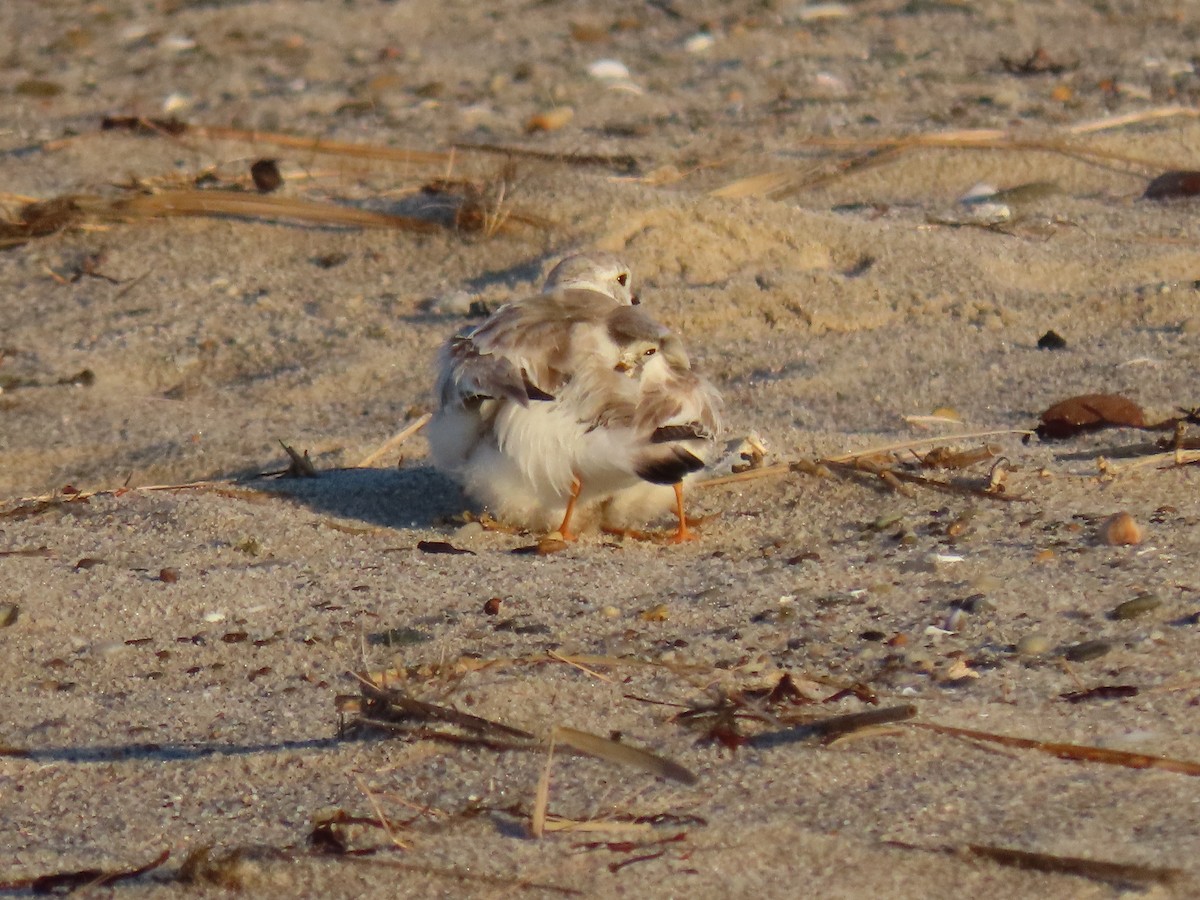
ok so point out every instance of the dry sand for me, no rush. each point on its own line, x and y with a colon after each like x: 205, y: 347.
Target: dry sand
x: 146, y: 713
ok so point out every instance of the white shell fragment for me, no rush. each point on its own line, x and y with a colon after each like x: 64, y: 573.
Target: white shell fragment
x: 608, y: 70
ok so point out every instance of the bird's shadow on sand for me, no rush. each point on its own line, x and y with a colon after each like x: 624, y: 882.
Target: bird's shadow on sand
x: 415, y: 497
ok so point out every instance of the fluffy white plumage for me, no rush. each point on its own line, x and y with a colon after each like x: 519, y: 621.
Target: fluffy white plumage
x: 561, y: 404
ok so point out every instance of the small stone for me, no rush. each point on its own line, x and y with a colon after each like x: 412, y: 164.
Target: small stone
x: 1033, y: 645
x: 610, y: 612
x: 1087, y: 650
x: 492, y: 606
x: 266, y: 175
x: 8, y: 614
x: 1122, y: 530
x: 168, y: 575
x: 550, y: 120
x: 1138, y: 606
x: 1052, y: 340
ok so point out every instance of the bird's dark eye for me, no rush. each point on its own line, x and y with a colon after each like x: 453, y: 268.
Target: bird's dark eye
x: 651, y: 351
x: 623, y: 279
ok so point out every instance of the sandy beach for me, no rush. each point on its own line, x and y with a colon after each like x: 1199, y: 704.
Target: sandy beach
x: 787, y: 182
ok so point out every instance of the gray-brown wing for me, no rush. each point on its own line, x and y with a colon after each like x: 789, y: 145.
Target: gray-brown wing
x: 536, y: 335
x: 469, y: 377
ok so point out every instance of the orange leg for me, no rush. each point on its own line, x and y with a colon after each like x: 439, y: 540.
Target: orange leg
x: 682, y: 534
x: 565, y: 528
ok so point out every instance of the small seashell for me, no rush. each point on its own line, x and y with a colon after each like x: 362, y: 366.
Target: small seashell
x: 609, y: 70
x: 1122, y: 530
x: 178, y: 43
x: 958, y: 671
x: 176, y: 102
x: 827, y: 81
x: 698, y: 43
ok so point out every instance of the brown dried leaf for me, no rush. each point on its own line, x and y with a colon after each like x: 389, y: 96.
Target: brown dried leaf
x: 442, y: 547
x: 1089, y: 412
x: 1171, y: 185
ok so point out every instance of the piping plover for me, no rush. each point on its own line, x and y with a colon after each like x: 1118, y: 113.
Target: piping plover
x: 571, y: 400
x: 656, y: 426
x: 517, y: 357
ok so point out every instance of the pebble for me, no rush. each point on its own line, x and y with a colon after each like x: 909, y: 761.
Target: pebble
x: 1033, y: 645
x: 1087, y: 650
x: 550, y: 120
x: 8, y: 614
x: 1138, y: 606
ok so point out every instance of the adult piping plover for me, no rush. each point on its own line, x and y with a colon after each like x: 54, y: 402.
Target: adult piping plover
x: 502, y: 361
x: 570, y: 402
x: 652, y: 422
